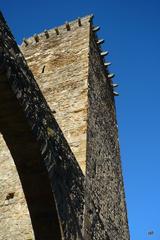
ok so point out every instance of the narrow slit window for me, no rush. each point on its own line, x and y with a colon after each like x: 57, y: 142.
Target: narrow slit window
x: 43, y: 69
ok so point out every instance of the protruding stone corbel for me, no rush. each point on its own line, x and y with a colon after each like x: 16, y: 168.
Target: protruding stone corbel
x: 114, y: 85
x: 100, y: 41
x: 79, y: 22
x: 115, y: 94
x: 46, y: 33
x: 92, y: 16
x: 111, y: 75
x: 106, y: 64
x: 25, y: 42
x: 95, y: 29
x: 57, y: 31
x: 68, y: 26
x: 103, y: 54
x: 36, y: 38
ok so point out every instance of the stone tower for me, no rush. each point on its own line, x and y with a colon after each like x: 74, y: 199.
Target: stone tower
x: 69, y: 66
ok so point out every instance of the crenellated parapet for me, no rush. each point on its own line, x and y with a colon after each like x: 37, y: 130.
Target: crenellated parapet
x: 57, y: 31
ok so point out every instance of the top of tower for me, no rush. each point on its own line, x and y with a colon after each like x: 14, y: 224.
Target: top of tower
x: 58, y: 31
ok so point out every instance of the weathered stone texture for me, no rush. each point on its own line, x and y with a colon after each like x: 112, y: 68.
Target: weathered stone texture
x: 105, y: 210
x: 64, y: 60
x: 15, y: 223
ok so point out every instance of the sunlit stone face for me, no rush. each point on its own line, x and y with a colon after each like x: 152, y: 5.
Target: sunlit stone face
x: 15, y: 221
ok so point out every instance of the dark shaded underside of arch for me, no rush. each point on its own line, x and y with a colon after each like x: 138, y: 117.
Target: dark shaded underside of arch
x: 32, y: 172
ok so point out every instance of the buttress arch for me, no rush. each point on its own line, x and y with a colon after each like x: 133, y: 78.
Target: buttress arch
x: 31, y: 170
x: 51, y: 178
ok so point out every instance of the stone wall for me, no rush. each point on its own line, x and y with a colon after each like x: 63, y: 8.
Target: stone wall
x: 60, y: 66
x: 105, y: 210
x: 15, y: 221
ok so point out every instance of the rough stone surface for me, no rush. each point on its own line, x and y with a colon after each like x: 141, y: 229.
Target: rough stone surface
x: 15, y: 221
x: 63, y: 59
x: 105, y: 210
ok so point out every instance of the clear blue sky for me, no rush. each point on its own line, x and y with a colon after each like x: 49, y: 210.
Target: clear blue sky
x: 132, y: 33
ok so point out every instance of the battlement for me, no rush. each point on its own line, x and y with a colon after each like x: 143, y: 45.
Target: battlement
x: 56, y: 32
